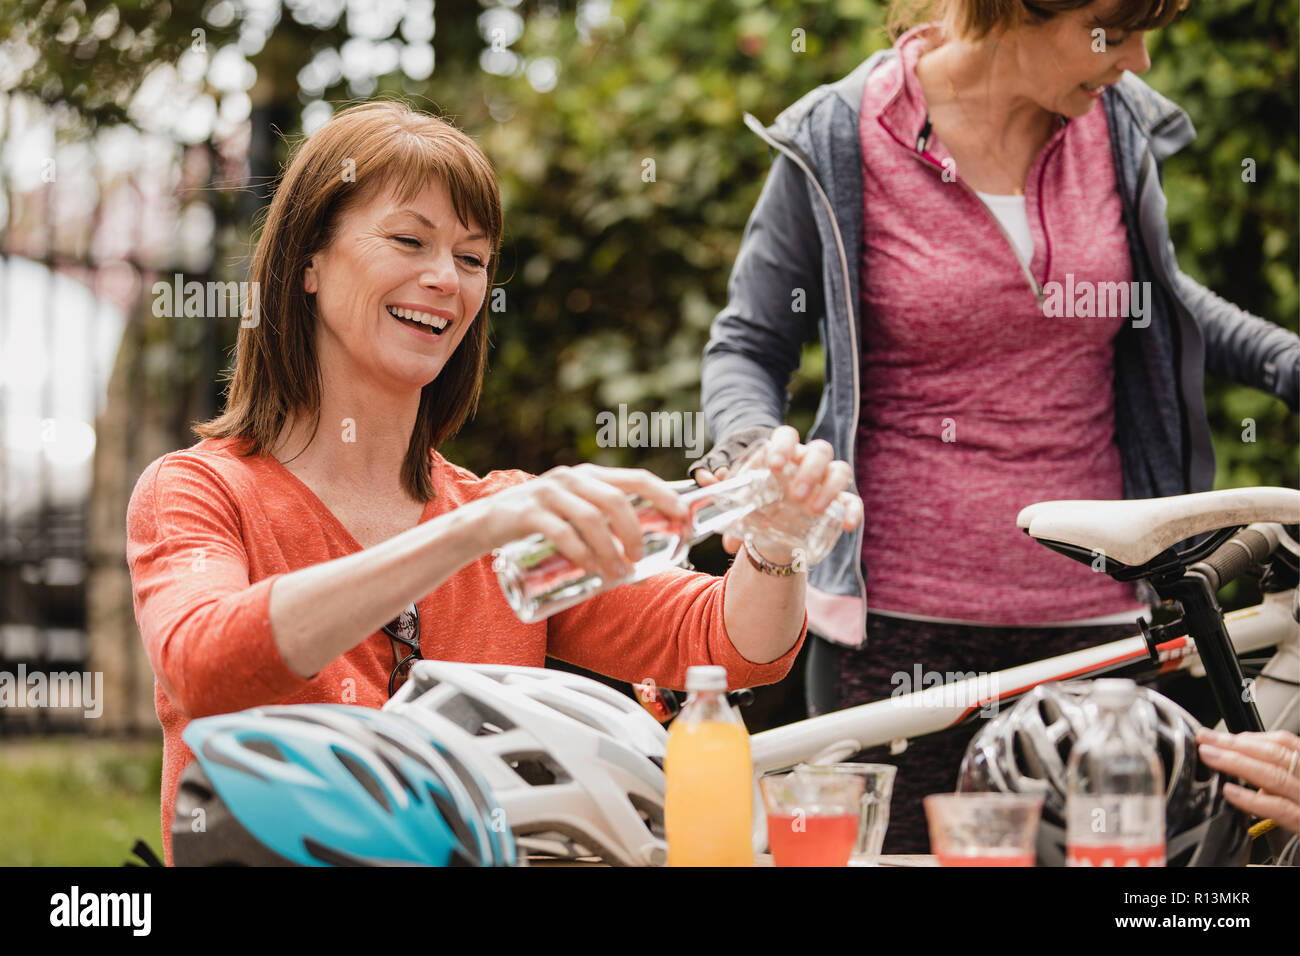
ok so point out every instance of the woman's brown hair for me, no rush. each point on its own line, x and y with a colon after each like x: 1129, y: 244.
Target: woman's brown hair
x: 382, y: 145
x: 975, y: 19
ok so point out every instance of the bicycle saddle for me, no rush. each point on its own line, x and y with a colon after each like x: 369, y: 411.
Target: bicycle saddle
x: 1133, y: 532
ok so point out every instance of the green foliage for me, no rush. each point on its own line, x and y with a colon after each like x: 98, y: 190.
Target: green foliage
x: 91, y: 59
x: 613, y: 269
x: 1233, y: 67
x: 78, y: 803
x: 611, y: 280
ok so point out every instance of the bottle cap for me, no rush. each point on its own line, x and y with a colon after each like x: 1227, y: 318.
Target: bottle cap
x: 1113, y: 692
x: 706, y: 678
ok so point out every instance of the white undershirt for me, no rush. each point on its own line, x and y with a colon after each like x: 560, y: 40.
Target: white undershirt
x: 1010, y: 211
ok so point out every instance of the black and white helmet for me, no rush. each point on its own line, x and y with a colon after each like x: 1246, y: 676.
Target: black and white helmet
x: 576, y: 765
x: 1027, y: 749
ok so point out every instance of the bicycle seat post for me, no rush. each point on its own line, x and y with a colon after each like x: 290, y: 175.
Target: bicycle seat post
x: 1203, y: 620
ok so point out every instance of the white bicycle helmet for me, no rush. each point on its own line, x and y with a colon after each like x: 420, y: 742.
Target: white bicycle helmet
x: 576, y: 766
x: 1026, y: 750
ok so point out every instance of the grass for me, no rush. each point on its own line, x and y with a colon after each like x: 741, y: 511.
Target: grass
x: 72, y: 801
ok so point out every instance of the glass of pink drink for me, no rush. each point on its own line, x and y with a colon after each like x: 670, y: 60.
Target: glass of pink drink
x: 812, y: 818
x: 983, y: 829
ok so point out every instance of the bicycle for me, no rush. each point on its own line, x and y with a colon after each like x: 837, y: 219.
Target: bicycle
x: 1129, y: 540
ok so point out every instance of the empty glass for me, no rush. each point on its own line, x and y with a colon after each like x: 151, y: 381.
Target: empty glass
x: 785, y: 524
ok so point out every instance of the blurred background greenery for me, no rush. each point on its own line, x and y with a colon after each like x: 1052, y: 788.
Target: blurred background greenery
x: 610, y: 282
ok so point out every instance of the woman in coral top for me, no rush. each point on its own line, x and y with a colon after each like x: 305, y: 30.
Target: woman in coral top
x: 267, y: 558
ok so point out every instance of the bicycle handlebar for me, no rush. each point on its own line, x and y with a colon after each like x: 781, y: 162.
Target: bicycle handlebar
x: 1248, y: 547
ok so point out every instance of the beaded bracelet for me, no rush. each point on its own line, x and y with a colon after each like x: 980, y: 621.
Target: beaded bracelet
x: 764, y: 566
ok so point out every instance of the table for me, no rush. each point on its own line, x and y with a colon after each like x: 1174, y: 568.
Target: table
x: 760, y: 859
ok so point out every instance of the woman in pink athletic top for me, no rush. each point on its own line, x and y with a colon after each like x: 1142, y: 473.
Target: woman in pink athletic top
x: 996, y: 275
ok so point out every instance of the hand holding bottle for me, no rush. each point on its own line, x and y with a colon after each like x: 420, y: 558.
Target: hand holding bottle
x: 809, y: 474
x: 584, y: 512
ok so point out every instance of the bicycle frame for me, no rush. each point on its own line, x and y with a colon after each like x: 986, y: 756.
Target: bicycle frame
x: 895, y: 720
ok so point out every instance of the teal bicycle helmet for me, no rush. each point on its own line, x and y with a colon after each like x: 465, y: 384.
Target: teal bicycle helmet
x: 331, y: 785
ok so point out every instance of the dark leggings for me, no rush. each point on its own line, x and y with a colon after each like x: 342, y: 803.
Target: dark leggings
x: 839, y: 677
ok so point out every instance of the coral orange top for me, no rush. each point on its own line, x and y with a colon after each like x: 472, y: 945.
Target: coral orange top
x: 208, y: 533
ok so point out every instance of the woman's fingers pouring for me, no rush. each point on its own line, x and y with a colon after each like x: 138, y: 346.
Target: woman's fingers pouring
x: 568, y: 498
x: 638, y: 481
x: 811, y: 473
x: 852, y: 505
x: 782, y: 448
x: 703, y: 477
x: 837, y: 478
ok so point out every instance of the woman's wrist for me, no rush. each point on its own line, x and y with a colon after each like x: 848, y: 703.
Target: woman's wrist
x: 477, y: 529
x: 778, y: 563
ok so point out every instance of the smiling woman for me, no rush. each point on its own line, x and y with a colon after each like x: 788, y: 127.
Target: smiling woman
x: 374, y: 175
x: 280, y: 560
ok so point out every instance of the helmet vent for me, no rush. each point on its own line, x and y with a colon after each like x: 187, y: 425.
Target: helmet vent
x: 456, y: 820
x: 467, y: 779
x: 1020, y: 754
x: 267, y: 748
x: 474, y: 717
x: 401, y: 777
x: 330, y: 855
x: 364, y: 777
x: 651, y: 815
x: 536, y: 769
x: 407, y: 751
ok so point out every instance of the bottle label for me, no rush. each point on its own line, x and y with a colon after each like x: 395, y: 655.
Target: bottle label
x: 1115, y: 855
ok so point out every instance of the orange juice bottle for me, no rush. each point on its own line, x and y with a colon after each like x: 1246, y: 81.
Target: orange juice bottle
x: 709, y: 802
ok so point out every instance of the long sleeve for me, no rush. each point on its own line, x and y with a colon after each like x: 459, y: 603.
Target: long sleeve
x: 1242, y: 347
x: 206, y: 628
x: 656, y: 629
x: 774, y: 301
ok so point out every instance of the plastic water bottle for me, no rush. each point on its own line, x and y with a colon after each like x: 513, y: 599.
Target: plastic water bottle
x: 1115, y: 802
x: 709, y: 800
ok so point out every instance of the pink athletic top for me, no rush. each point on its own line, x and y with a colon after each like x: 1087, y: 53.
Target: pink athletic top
x: 973, y: 402
x: 209, y: 532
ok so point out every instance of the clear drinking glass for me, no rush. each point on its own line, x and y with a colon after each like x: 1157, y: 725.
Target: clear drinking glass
x: 785, y: 524
x: 983, y: 829
x: 812, y: 818
x: 877, y: 790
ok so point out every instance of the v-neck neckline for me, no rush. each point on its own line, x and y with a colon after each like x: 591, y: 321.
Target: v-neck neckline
x: 329, y: 516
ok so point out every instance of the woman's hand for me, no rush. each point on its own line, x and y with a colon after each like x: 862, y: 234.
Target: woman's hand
x: 814, y: 478
x: 1269, y: 761
x: 584, y: 511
